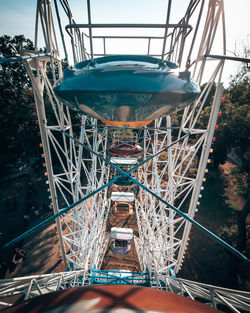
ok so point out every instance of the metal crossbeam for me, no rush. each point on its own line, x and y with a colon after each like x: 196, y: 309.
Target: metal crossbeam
x: 32, y: 286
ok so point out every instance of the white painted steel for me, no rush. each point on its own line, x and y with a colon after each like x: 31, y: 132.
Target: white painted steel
x: 32, y: 286
x: 121, y: 233
x: 176, y: 175
x: 123, y: 161
x: 122, y: 196
x: 73, y: 172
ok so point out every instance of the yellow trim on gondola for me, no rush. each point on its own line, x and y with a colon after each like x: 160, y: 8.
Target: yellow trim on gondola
x: 126, y: 123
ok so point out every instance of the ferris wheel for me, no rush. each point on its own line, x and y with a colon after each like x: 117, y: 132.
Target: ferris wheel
x: 125, y: 170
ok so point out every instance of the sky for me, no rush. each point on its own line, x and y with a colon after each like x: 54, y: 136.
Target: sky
x: 18, y: 17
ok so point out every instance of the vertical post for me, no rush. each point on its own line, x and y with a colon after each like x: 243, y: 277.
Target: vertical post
x: 90, y: 31
x: 171, y: 189
x: 166, y: 30
x: 149, y: 42
x: 38, y: 91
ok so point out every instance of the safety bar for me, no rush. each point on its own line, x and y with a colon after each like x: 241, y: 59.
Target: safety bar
x: 70, y: 26
x: 90, y: 26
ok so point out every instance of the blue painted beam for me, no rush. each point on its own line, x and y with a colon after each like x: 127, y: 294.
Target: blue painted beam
x: 188, y: 218
x: 68, y: 208
x: 184, y: 215
x: 26, y: 57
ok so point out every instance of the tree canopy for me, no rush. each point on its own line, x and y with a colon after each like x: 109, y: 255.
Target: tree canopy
x: 18, y: 128
x: 233, y: 131
x: 18, y: 116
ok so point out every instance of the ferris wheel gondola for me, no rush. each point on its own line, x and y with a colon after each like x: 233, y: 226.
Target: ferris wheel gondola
x: 127, y: 90
x: 110, y: 232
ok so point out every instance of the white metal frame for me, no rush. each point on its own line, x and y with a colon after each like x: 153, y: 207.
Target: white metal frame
x: 32, y: 286
x: 173, y: 175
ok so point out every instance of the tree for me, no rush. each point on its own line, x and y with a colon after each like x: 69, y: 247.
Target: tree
x: 18, y: 129
x: 234, y: 124
x: 239, y: 125
x: 233, y: 134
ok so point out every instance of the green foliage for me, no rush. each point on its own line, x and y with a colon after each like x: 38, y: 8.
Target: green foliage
x: 239, y: 95
x: 18, y: 130
x: 237, y: 122
x: 210, y: 95
x: 18, y: 134
x: 240, y: 180
x: 234, y: 124
x: 229, y: 234
x: 14, y: 75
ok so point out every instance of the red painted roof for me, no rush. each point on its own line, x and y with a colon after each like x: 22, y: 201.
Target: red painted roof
x: 111, y: 298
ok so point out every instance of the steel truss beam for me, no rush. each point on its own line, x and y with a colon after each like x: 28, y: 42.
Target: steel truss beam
x: 32, y: 286
x: 82, y: 233
x: 79, y: 170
